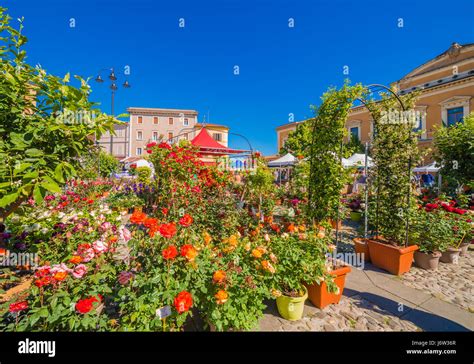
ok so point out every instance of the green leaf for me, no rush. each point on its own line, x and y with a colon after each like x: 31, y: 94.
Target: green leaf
x: 43, y: 312
x: 8, y: 199
x: 34, y: 152
x: 50, y: 185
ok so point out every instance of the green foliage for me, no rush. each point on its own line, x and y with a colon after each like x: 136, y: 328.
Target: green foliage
x: 454, y: 150
x: 299, y: 141
x: 143, y: 174
x: 95, y: 160
x: 41, y: 141
x: 327, y: 175
x: 261, y: 187
x: 395, y: 146
x: 432, y: 232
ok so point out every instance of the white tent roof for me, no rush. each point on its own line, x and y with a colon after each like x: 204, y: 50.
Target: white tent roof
x: 432, y: 167
x: 358, y: 159
x: 287, y: 160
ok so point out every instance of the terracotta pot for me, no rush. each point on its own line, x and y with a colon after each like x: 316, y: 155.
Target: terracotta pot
x: 464, y: 248
x: 356, y: 216
x: 318, y: 293
x: 334, y: 224
x: 450, y: 256
x: 394, y: 259
x: 291, y: 308
x: 427, y: 261
x: 361, y: 247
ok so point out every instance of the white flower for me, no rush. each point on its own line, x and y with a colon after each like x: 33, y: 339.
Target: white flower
x: 44, y: 230
x: 61, y: 215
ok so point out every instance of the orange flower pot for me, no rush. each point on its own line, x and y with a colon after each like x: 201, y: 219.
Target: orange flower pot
x: 361, y: 247
x: 394, y: 259
x: 318, y: 293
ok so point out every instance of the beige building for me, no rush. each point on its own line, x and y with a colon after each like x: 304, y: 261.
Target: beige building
x: 446, y: 86
x: 156, y: 124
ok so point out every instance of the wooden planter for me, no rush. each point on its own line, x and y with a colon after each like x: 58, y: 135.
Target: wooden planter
x: 361, y: 247
x: 318, y: 293
x: 394, y: 259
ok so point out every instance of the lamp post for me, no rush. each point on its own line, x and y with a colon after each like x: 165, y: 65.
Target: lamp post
x: 113, y: 87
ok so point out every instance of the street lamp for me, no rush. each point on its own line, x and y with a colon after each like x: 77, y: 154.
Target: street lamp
x: 113, y: 87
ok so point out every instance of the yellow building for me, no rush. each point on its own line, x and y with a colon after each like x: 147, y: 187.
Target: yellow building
x: 446, y: 94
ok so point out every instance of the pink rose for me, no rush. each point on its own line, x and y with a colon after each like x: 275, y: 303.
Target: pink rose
x: 79, y: 271
x: 99, y: 246
x: 105, y: 226
x: 60, y: 268
x: 125, y: 235
x: 88, y: 255
x: 124, y: 277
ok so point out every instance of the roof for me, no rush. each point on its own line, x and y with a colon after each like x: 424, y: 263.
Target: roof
x: 204, y: 125
x: 208, y: 145
x: 154, y: 110
x: 287, y: 160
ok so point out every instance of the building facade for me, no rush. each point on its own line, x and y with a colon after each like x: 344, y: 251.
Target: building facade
x: 446, y: 94
x: 155, y: 124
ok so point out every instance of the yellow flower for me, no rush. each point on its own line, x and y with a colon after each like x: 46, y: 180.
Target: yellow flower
x: 276, y: 293
x: 207, y: 238
x: 257, y: 253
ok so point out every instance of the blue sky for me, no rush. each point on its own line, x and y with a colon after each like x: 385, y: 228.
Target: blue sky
x: 283, y: 70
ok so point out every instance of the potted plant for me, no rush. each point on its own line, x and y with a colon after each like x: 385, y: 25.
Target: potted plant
x: 356, y: 209
x: 432, y: 234
x: 300, y: 263
x: 361, y: 247
x: 394, y: 150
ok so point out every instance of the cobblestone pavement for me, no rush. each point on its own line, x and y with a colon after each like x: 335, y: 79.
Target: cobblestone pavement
x: 452, y: 283
x: 351, y: 314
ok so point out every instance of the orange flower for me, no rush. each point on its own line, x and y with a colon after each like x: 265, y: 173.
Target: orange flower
x: 207, y: 238
x: 291, y: 228
x: 219, y: 276
x: 189, y: 252
x: 113, y: 239
x: 60, y: 276
x: 321, y: 234
x: 221, y: 297
x: 233, y: 240
x: 150, y: 222
x: 76, y: 259
x: 138, y: 217
x: 268, y: 266
x: 257, y: 253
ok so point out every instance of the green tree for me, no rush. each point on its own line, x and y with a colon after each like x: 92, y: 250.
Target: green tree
x: 454, y: 150
x: 299, y: 140
x: 46, y: 124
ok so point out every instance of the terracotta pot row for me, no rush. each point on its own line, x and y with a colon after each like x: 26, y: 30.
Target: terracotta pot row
x: 291, y: 308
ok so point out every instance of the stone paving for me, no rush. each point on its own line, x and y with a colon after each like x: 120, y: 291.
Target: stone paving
x: 450, y: 282
x: 374, y: 300
x: 351, y: 314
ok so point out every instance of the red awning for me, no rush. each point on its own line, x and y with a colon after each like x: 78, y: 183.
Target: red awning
x: 207, y: 144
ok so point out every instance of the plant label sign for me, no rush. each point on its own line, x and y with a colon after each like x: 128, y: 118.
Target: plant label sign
x: 163, y: 312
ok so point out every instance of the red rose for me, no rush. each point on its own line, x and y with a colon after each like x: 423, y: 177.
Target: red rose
x: 164, y: 145
x: 150, y: 222
x: 151, y: 145
x: 169, y: 253
x: 164, y: 210
x: 186, y: 220
x: 189, y: 252
x: 183, y: 301
x: 85, y: 305
x: 167, y: 230
x: 18, y: 306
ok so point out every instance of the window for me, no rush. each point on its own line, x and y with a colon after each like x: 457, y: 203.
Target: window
x: 140, y: 120
x: 170, y: 135
x: 155, y: 136
x: 217, y: 136
x: 185, y: 122
x: 155, y: 119
x: 355, y: 133
x: 139, y: 151
x: 455, y: 115
x: 139, y: 135
x: 170, y: 121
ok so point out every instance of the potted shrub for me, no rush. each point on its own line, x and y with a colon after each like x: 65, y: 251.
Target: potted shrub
x: 394, y: 150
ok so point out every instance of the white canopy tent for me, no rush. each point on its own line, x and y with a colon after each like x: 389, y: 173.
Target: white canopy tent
x: 358, y: 159
x: 429, y: 168
x: 285, y: 161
